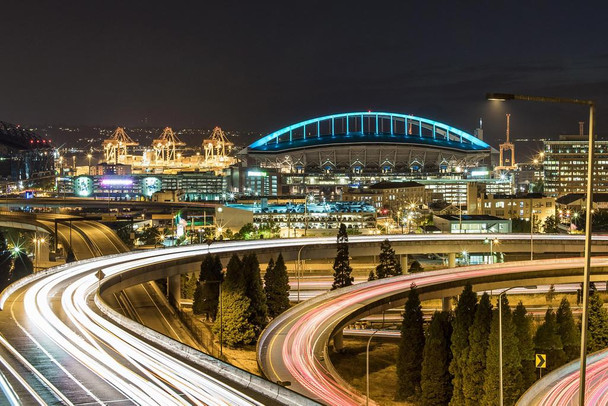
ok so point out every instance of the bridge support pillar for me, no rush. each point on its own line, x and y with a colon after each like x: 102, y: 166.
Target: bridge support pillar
x: 404, y: 260
x: 452, y: 260
x: 174, y: 288
x: 339, y: 341
x: 446, y: 304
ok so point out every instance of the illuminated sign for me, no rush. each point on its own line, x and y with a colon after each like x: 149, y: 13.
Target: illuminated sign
x: 256, y: 173
x: 150, y: 185
x: 116, y: 182
x: 480, y: 173
x: 83, y: 186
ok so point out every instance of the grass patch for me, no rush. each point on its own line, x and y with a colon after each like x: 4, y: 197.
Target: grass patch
x: 351, y: 365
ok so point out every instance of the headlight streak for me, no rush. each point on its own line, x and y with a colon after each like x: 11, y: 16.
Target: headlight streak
x: 155, y: 367
x: 308, y: 330
x: 8, y: 390
x: 146, y: 388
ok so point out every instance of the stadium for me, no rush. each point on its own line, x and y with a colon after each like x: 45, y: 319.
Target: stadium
x: 368, y: 143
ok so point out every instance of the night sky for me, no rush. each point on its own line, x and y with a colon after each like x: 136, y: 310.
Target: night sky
x: 258, y: 66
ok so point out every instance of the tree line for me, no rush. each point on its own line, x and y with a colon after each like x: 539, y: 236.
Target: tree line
x: 243, y: 305
x: 460, y: 348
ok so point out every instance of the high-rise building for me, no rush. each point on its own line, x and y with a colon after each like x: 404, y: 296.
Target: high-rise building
x: 565, y: 165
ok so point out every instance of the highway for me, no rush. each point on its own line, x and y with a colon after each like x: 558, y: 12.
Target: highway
x: 294, y: 346
x: 73, y: 355
x: 98, y: 361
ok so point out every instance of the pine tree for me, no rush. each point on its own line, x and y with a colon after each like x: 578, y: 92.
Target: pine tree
x: 464, y: 315
x: 550, y: 294
x: 276, y: 285
x: 389, y: 263
x: 474, y: 371
x: 523, y: 333
x: 409, y: 360
x: 547, y: 341
x: 255, y: 292
x: 188, y: 286
x: 598, y: 324
x: 510, y: 357
x: 568, y: 331
x: 234, y: 322
x: 207, y: 292
x: 342, y: 268
x: 436, y: 380
x: 6, y: 263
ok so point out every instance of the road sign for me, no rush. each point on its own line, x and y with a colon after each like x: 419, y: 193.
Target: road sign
x: 100, y: 275
x: 541, y: 360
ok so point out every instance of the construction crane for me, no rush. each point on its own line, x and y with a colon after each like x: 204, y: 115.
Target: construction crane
x: 217, y: 147
x: 164, y: 147
x: 115, y: 147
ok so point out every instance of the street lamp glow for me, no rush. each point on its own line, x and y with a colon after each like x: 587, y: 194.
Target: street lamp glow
x: 589, y: 211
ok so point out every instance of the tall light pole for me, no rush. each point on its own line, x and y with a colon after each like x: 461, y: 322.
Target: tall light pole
x: 500, y: 336
x: 588, y: 206
x: 221, y: 315
x: 367, y: 367
x: 89, y: 156
x: 298, y: 270
x: 492, y: 241
x: 531, y: 229
x: 367, y: 360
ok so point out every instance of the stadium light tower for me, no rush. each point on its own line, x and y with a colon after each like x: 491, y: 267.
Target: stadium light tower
x: 588, y: 207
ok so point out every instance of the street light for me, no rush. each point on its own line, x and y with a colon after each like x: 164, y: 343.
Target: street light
x: 367, y: 360
x: 367, y: 367
x: 589, y: 207
x: 37, y: 246
x: 221, y: 316
x: 89, y: 156
x: 500, y: 334
x: 492, y: 241
x: 299, y: 270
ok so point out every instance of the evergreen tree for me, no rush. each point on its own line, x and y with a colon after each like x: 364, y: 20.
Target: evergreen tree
x: 207, y: 293
x: 188, y: 285
x: 474, y: 371
x: 550, y: 294
x: 342, y: 268
x: 568, y: 331
x: 415, y: 267
x: 234, y: 322
x: 409, y: 360
x: 598, y: 324
x: 510, y: 357
x: 464, y: 315
x: 389, y: 263
x: 547, y: 341
x: 69, y: 256
x: 6, y: 263
x: 276, y: 285
x: 436, y: 380
x: 254, y: 290
x: 523, y: 333
x: 371, y: 276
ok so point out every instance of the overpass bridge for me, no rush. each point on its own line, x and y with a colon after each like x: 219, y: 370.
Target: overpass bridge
x: 86, y: 238
x: 53, y: 318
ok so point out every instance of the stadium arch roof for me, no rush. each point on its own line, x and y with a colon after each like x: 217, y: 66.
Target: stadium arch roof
x: 368, y: 128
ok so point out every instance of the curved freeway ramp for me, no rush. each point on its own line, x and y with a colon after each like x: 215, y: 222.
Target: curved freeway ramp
x: 56, y: 346
x: 561, y: 387
x: 87, y: 238
x: 294, y: 347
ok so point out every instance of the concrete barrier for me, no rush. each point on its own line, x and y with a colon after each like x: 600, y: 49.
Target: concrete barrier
x: 231, y: 373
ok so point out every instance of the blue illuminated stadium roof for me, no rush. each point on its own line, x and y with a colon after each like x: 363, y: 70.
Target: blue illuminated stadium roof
x: 368, y: 128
